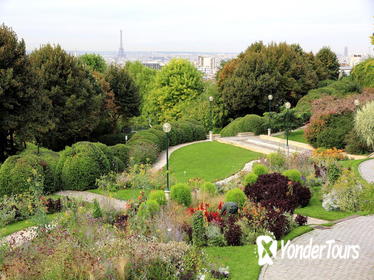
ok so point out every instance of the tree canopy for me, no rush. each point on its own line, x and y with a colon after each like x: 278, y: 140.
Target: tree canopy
x: 283, y: 70
x: 327, y: 64
x: 94, y: 61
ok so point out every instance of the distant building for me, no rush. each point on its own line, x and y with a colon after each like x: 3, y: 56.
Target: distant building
x: 121, y: 56
x: 153, y: 65
x: 356, y: 59
x: 207, y: 65
x: 345, y: 51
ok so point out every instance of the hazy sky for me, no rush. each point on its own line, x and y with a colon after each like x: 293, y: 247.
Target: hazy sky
x: 194, y: 25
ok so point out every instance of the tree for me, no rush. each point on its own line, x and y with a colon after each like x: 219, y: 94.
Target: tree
x: 282, y: 70
x: 20, y: 103
x: 126, y: 94
x: 364, y: 123
x: 327, y: 64
x: 74, y: 96
x: 94, y: 61
x: 176, y: 84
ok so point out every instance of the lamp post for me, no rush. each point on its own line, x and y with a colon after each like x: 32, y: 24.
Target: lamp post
x: 166, y: 128
x: 288, y: 106
x: 210, y: 118
x: 270, y: 98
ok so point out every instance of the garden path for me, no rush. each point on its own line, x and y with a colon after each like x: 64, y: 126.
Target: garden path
x: 366, y: 170
x: 357, y: 231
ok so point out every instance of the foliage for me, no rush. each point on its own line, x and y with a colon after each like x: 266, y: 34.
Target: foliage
x: 364, y: 124
x: 208, y: 188
x: 108, y: 182
x: 328, y: 154
x: 293, y: 175
x: 301, y: 220
x: 235, y: 195
x: 142, y: 151
x: 259, y: 169
x: 250, y: 179
x: 248, y: 123
x: 181, y: 193
x: 158, y: 195
x: 94, y: 61
x: 283, y: 70
x: 198, y: 229
x: 214, y: 236
x: 148, y: 209
x: 363, y: 73
x: 96, y: 211
x: 176, y: 84
x: 73, y: 96
x: 327, y: 64
x: 232, y: 231
x: 276, y: 161
x: 120, y: 151
x: 355, y: 144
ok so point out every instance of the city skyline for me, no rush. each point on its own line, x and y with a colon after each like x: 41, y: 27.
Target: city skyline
x: 208, y: 26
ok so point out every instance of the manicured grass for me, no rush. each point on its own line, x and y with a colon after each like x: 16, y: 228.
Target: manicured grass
x: 297, y: 135
x: 243, y: 260
x: 315, y: 209
x: 125, y: 194
x: 210, y: 161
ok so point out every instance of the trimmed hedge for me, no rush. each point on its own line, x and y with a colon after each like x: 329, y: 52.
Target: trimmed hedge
x: 248, y: 123
x: 121, y: 151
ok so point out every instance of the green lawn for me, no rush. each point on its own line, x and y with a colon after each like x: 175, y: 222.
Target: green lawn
x: 242, y: 260
x: 297, y: 135
x: 353, y: 164
x: 126, y: 194
x: 210, y: 161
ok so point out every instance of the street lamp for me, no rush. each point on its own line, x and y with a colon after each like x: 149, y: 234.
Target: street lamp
x: 270, y: 98
x: 210, y: 118
x: 288, y: 106
x: 166, y: 128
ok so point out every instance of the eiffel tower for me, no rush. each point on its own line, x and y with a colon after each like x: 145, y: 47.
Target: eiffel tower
x: 121, y: 53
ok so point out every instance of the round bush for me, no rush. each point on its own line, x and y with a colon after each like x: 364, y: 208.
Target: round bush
x: 158, y: 195
x: 249, y: 123
x: 235, y: 195
x: 122, y: 152
x: 209, y: 188
x: 142, y: 151
x: 80, y: 165
x: 19, y: 173
x: 259, y: 169
x: 146, y: 136
x: 148, y: 209
x: 181, y: 193
x: 293, y: 174
x: 250, y: 179
x: 161, y: 136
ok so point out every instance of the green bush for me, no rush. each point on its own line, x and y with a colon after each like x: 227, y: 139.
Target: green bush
x: 161, y: 136
x: 209, y: 188
x: 363, y: 73
x: 142, y: 151
x: 364, y: 124
x: 248, y: 123
x: 250, y: 178
x: 20, y: 173
x: 147, y: 136
x: 198, y: 229
x: 80, y: 165
x: 115, y: 163
x: 293, y: 174
x: 112, y: 139
x: 148, y: 209
x: 181, y: 193
x: 259, y: 169
x: 121, y: 151
x: 158, y: 195
x: 355, y: 144
x: 276, y: 161
x: 235, y: 195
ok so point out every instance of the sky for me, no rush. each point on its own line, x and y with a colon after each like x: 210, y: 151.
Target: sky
x: 193, y: 25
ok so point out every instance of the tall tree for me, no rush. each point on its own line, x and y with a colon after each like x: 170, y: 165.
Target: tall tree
x: 73, y: 93
x: 94, y: 61
x: 282, y: 70
x: 327, y: 64
x: 176, y: 84
x: 20, y: 103
x: 126, y: 94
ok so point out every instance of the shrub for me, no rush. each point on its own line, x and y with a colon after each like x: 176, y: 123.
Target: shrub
x: 112, y: 139
x: 121, y: 151
x: 248, y: 123
x: 148, y: 209
x: 142, y: 151
x: 301, y: 220
x: 215, y: 237
x: 259, y: 169
x: 250, y: 179
x: 363, y: 73
x: 181, y: 193
x: 146, y: 136
x: 158, y: 195
x: 115, y: 163
x: 276, y: 161
x: 235, y: 195
x: 293, y: 175
x: 275, y: 190
x: 328, y: 154
x: 209, y: 188
x: 96, y: 211
x: 333, y: 172
x: 277, y: 223
x: 354, y: 144
x: 20, y: 173
x: 364, y: 124
x: 232, y: 232
x: 198, y: 229
x: 80, y: 165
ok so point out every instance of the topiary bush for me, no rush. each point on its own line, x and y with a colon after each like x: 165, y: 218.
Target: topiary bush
x: 293, y: 175
x: 115, y: 163
x: 19, y: 173
x: 158, y: 195
x: 236, y: 195
x: 249, y: 123
x: 275, y: 190
x: 259, y: 169
x: 148, y: 209
x: 121, y: 151
x: 146, y: 136
x: 250, y: 179
x: 181, y: 193
x: 209, y: 188
x: 80, y: 165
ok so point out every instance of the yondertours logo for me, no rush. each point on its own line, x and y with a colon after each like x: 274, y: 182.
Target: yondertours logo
x: 267, y: 250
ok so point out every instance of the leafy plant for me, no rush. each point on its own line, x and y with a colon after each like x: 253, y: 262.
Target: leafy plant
x: 259, y: 169
x: 148, y: 209
x: 250, y: 179
x: 209, y: 188
x: 158, y: 195
x: 198, y: 229
x: 293, y: 174
x: 235, y: 195
x: 181, y: 193
x: 96, y: 211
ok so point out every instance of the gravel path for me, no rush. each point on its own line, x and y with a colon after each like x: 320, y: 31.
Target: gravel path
x: 367, y: 170
x: 357, y: 231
